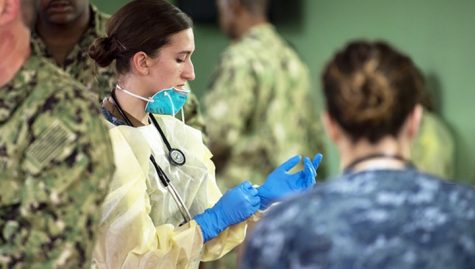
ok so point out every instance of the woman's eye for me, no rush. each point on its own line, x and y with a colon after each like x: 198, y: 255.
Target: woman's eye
x: 180, y: 60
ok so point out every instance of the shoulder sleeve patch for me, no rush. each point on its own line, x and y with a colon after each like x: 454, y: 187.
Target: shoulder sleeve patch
x: 49, y: 144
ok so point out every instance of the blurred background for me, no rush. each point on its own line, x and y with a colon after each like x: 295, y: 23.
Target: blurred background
x: 439, y: 35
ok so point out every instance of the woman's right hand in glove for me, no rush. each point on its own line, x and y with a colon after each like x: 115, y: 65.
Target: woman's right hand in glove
x: 235, y: 206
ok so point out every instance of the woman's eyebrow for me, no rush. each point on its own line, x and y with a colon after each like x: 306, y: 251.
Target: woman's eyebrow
x: 185, y: 52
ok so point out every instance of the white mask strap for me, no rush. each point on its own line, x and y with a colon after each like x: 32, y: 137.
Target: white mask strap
x: 182, y: 109
x: 171, y: 102
x: 182, y: 115
x: 150, y: 99
x: 173, y: 106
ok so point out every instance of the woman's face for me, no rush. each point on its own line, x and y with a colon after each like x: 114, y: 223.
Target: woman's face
x: 172, y: 67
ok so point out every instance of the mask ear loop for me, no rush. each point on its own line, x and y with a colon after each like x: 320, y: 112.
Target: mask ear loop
x: 134, y: 95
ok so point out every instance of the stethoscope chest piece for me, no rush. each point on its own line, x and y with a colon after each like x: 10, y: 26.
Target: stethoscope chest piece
x: 177, y: 157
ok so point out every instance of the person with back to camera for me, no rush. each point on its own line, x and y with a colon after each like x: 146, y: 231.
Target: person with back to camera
x: 164, y: 209
x: 381, y: 212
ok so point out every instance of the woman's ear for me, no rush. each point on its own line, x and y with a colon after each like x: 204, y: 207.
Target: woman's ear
x: 140, y: 64
x: 413, y: 122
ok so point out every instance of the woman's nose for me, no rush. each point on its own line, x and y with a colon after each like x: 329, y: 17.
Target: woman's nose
x: 189, y: 72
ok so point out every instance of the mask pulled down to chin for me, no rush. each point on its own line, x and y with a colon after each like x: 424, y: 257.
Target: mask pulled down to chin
x: 167, y: 101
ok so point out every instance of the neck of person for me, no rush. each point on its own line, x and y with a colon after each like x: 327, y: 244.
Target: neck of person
x: 247, y: 23
x: 14, y: 51
x: 60, y: 39
x: 135, y: 107
x: 387, y: 153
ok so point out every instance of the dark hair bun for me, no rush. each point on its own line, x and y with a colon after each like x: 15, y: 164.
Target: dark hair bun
x: 369, y: 98
x: 370, y: 89
x: 103, y: 51
x: 144, y: 25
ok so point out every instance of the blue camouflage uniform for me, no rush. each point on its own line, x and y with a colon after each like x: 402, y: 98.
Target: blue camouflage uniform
x: 372, y: 220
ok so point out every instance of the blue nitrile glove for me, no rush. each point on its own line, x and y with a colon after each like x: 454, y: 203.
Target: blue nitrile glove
x: 235, y: 206
x: 317, y: 159
x: 280, y: 183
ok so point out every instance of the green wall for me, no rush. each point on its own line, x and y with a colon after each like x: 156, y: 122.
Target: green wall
x: 438, y: 34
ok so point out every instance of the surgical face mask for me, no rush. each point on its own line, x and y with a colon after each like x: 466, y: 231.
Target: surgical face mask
x: 164, y: 102
x: 167, y: 102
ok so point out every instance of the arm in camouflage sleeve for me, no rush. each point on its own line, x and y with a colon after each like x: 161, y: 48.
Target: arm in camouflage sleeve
x: 433, y: 150
x: 57, y: 174
x: 229, y: 107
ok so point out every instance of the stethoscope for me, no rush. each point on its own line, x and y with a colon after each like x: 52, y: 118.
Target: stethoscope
x: 175, y: 156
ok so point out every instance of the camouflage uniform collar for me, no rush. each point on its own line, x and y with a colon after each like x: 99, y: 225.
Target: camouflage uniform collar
x: 98, y: 20
x: 259, y: 31
x: 25, y: 75
x: 25, y: 78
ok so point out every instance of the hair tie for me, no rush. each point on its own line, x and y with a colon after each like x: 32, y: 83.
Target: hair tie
x: 119, y: 44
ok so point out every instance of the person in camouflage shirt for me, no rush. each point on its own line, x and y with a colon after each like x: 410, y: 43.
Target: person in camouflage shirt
x: 259, y: 109
x: 382, y: 212
x: 63, y: 33
x: 55, y: 163
x: 433, y: 149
